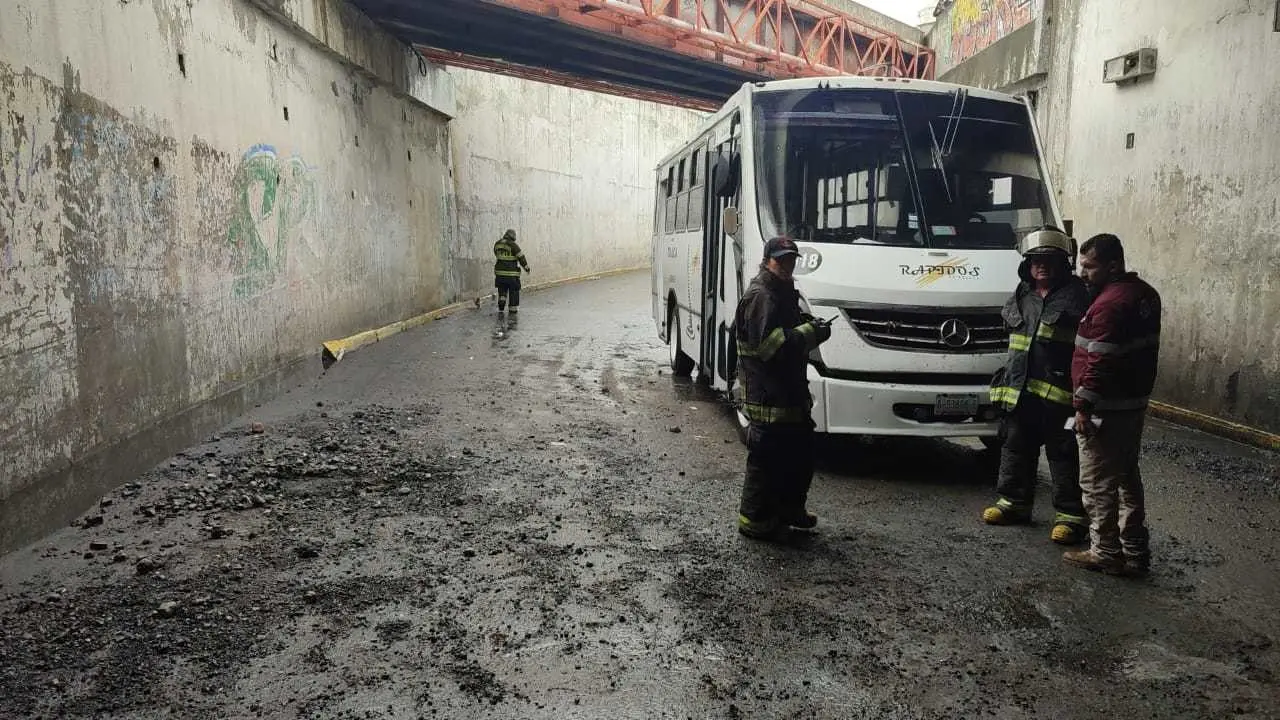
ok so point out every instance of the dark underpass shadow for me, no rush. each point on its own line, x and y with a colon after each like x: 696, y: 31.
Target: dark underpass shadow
x: 927, y: 461
x: 915, y: 460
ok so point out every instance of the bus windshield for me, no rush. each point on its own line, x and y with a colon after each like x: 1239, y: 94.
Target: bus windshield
x: 892, y: 167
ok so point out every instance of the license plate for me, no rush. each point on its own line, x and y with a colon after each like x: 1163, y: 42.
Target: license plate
x: 955, y: 405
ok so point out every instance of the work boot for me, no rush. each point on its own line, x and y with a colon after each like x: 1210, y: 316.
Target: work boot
x: 1089, y: 560
x: 1067, y: 533
x: 513, y: 319
x: 768, y: 530
x: 1137, y: 566
x: 1003, y: 513
x: 804, y: 521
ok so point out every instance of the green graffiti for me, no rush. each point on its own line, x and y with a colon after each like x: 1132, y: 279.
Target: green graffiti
x: 273, y: 199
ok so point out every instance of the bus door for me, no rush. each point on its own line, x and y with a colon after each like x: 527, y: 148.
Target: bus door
x: 710, y: 252
x: 722, y: 274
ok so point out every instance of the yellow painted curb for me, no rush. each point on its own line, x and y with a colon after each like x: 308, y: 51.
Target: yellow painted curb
x: 1216, y: 426
x: 334, y: 350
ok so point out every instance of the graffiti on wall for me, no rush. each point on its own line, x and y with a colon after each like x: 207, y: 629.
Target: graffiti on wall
x: 274, y: 197
x: 978, y: 24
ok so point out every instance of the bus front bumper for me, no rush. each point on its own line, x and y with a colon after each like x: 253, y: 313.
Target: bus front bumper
x: 868, y: 408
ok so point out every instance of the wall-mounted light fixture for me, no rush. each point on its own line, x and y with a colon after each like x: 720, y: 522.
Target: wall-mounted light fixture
x: 1131, y: 66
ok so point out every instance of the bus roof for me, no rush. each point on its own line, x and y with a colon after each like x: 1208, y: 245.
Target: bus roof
x: 852, y: 82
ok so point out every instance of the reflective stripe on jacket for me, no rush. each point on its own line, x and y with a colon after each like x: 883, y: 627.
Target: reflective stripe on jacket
x: 1118, y: 348
x: 773, y: 342
x: 509, y: 259
x: 1041, y: 340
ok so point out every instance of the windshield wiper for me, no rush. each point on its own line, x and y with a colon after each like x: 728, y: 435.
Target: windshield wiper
x: 953, y: 121
x: 936, y: 152
x: 942, y: 151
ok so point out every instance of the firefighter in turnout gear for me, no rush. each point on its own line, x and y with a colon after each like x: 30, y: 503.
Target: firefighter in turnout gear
x: 1034, y: 388
x: 774, y: 340
x: 508, y: 259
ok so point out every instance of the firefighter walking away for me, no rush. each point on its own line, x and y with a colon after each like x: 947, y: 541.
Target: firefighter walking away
x: 508, y: 259
x: 774, y: 340
x: 1034, y: 388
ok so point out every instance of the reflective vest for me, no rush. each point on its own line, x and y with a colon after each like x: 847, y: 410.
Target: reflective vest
x: 1042, y: 334
x: 509, y: 259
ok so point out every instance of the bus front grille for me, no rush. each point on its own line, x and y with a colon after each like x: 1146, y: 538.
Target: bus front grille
x: 933, y: 330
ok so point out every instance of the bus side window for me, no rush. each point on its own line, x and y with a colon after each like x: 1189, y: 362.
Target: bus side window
x: 696, y: 191
x: 696, y: 197
x: 659, y: 206
x: 669, y: 215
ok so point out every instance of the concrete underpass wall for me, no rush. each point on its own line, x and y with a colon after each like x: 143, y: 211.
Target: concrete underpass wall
x: 173, y: 247
x: 1195, y: 199
x: 170, y: 241
x: 572, y: 172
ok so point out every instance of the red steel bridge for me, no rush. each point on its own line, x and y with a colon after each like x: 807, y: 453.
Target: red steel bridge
x: 693, y: 53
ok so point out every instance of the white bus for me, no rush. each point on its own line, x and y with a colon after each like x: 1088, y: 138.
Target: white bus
x: 908, y: 200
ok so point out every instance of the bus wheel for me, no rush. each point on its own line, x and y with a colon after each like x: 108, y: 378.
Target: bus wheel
x: 681, y: 364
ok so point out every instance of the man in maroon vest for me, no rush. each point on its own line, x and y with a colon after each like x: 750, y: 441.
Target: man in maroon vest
x: 1113, y: 371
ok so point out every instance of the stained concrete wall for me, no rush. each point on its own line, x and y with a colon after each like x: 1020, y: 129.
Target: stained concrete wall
x: 1195, y: 199
x: 194, y: 195
x: 170, y: 240
x: 965, y: 29
x: 571, y: 172
x: 878, y: 20
x: 335, y: 27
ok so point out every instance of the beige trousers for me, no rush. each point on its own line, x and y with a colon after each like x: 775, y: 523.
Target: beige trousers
x: 1112, y: 487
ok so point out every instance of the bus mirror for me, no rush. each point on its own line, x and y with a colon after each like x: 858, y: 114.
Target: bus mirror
x: 726, y: 175
x: 730, y: 222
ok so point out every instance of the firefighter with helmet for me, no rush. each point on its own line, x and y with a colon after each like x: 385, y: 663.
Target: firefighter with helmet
x: 508, y: 259
x: 1034, y: 391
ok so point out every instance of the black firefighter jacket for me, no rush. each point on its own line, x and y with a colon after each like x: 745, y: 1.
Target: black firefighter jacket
x: 774, y: 341
x: 1042, y: 334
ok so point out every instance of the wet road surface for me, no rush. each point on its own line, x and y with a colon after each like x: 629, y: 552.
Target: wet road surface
x: 449, y: 525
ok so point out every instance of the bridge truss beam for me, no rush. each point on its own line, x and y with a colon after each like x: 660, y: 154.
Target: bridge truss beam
x: 774, y: 38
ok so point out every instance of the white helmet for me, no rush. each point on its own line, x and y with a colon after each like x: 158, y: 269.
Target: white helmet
x: 1047, y: 240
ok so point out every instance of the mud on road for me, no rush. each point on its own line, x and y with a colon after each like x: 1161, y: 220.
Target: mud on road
x: 541, y: 526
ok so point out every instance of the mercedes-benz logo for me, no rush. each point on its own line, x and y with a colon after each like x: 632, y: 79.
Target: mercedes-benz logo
x: 954, y: 333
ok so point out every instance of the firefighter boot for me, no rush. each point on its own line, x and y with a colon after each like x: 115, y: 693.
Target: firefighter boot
x: 513, y: 318
x: 1006, y: 513
x: 1067, y: 534
x: 768, y: 530
x: 1069, y: 529
x: 804, y: 521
